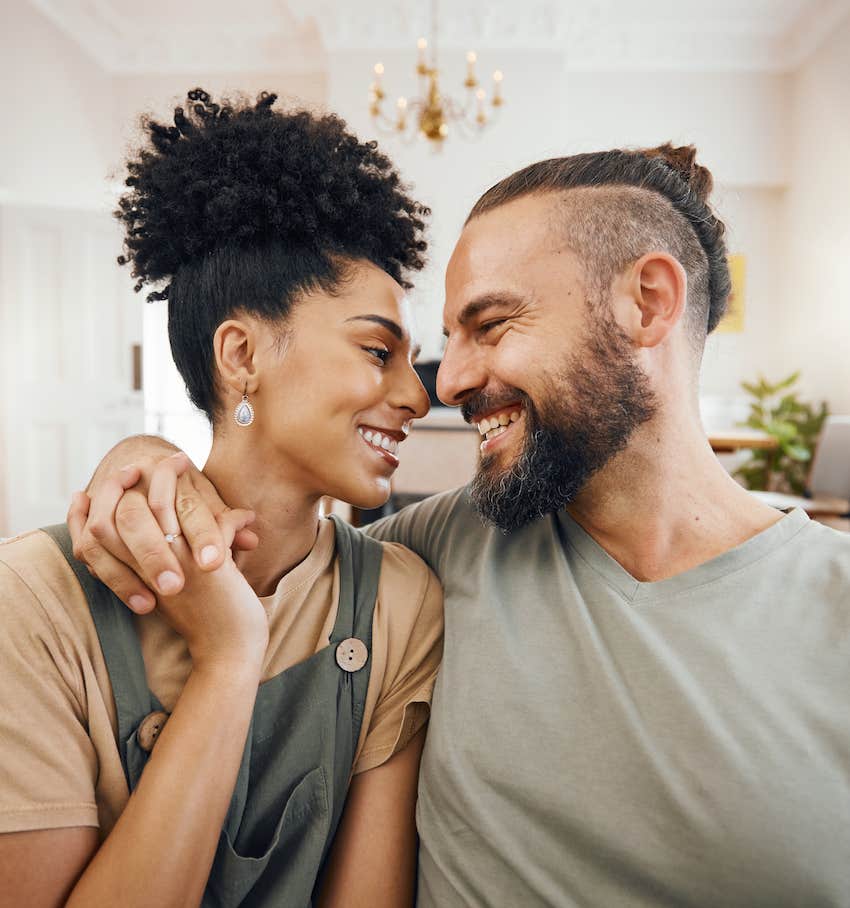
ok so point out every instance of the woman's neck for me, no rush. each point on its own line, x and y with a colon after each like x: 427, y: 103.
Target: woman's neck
x: 287, y: 516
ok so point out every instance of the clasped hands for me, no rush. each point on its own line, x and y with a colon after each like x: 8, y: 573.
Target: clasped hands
x: 118, y: 531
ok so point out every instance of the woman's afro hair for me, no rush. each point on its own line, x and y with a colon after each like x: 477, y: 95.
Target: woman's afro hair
x: 245, y: 175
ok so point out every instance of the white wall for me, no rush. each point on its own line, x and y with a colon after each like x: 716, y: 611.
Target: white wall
x: 814, y: 269
x: 57, y: 111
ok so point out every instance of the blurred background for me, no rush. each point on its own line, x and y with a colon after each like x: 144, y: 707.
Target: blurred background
x: 762, y: 88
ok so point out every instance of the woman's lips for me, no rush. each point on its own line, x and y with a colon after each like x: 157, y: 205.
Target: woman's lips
x: 380, y: 443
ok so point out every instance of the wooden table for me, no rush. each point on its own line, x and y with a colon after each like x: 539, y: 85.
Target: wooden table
x: 727, y: 441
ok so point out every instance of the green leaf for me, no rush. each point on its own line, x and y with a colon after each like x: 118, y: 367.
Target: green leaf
x: 797, y: 452
x: 782, y: 430
x: 787, y: 382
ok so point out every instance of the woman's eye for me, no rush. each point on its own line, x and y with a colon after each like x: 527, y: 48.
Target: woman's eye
x: 380, y: 353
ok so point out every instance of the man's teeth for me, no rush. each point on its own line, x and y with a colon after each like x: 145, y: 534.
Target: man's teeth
x: 497, y: 424
x: 377, y: 440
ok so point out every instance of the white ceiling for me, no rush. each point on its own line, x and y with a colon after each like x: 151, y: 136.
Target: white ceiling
x: 162, y: 36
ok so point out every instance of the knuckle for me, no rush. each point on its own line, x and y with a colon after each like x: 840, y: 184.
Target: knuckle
x: 130, y: 515
x: 160, y: 505
x: 99, y: 528
x: 151, y: 561
x: 89, y: 551
x: 187, y: 506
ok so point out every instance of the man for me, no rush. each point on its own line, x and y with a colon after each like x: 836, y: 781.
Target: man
x: 643, y: 693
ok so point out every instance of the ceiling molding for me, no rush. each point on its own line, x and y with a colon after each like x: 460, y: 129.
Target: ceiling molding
x: 123, y: 46
x: 297, y: 35
x: 814, y: 25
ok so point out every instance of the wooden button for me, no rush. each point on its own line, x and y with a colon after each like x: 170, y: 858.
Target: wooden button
x: 149, y: 729
x: 351, y: 654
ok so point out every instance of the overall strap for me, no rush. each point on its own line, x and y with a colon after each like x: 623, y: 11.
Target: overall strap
x: 359, y: 557
x: 119, y: 642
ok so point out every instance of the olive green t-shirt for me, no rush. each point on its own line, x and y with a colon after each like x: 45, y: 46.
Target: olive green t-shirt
x: 599, y: 741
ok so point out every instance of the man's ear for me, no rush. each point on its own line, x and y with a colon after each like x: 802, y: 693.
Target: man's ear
x: 235, y: 346
x: 656, y: 291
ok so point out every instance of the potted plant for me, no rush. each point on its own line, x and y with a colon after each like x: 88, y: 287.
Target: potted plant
x: 796, y: 425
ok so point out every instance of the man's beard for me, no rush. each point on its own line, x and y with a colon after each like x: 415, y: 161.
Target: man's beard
x: 598, y: 401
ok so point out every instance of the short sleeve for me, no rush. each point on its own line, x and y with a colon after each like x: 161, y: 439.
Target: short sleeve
x: 409, y: 616
x: 48, y: 766
x: 424, y: 527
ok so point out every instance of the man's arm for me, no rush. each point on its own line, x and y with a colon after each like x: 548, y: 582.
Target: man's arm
x: 126, y: 549
x: 128, y: 552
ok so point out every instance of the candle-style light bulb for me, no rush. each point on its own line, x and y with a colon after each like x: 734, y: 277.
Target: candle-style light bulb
x: 481, y: 115
x: 377, y: 90
x: 421, y: 62
x: 470, y: 81
x: 498, y: 100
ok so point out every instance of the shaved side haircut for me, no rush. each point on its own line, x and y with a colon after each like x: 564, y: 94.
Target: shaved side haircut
x: 618, y: 205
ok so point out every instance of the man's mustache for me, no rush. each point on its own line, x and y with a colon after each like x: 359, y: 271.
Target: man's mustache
x: 473, y: 408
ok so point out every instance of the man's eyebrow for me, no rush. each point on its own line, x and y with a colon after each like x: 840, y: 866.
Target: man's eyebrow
x: 482, y: 303
x: 388, y: 323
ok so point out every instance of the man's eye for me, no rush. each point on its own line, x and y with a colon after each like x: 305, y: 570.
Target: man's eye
x: 380, y: 353
x: 487, y: 326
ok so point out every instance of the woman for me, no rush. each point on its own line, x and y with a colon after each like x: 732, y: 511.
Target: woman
x: 276, y: 704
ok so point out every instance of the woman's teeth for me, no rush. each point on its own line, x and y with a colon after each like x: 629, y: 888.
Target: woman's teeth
x: 377, y: 440
x: 496, y: 425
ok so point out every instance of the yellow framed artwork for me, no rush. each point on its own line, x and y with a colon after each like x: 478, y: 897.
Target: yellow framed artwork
x: 733, y: 321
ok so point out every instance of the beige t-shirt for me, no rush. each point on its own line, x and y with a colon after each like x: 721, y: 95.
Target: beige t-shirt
x: 59, y: 762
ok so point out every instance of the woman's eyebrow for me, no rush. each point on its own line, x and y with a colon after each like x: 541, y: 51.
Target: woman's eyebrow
x: 388, y: 323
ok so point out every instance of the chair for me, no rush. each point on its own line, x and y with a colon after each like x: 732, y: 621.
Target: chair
x: 829, y: 479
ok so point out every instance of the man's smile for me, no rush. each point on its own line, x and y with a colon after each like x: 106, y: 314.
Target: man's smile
x: 496, y: 424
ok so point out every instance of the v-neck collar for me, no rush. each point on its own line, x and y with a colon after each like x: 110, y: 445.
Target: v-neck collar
x: 637, y: 591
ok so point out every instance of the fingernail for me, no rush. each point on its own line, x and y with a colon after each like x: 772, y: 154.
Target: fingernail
x: 138, y: 603
x: 209, y: 553
x: 168, y: 582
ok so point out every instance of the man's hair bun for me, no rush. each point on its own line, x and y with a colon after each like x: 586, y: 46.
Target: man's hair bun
x: 682, y: 159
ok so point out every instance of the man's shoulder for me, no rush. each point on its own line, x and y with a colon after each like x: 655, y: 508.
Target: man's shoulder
x: 826, y: 546
x: 433, y: 527
x: 444, y: 511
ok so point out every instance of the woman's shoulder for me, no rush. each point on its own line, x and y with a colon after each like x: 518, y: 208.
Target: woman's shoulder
x: 35, y: 559
x: 39, y: 587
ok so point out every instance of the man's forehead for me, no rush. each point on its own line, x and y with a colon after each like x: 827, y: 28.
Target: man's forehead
x: 501, y: 252
x: 500, y: 240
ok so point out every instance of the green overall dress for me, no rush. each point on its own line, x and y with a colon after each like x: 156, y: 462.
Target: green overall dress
x: 298, y: 757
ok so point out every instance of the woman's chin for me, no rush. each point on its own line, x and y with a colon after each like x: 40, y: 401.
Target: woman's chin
x: 367, y: 497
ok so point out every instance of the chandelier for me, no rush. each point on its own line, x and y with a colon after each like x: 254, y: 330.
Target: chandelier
x: 431, y: 113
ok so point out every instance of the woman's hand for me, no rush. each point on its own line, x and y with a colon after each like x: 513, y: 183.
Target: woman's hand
x: 122, y: 540
x: 217, y: 613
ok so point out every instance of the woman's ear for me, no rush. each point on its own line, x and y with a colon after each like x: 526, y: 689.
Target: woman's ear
x: 657, y: 291
x: 235, y: 346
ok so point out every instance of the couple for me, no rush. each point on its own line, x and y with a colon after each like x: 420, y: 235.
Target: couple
x: 641, y: 698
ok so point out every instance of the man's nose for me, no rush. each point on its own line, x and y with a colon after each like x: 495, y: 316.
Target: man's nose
x: 462, y: 372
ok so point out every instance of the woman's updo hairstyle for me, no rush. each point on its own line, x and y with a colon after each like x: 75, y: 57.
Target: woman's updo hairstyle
x: 239, y: 207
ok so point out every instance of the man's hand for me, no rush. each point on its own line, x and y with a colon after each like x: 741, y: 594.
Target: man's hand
x: 122, y: 539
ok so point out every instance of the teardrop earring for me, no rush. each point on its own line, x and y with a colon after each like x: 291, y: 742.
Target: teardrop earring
x: 244, y: 412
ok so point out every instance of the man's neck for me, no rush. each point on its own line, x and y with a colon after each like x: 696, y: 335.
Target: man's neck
x: 666, y: 505
x: 287, y: 518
